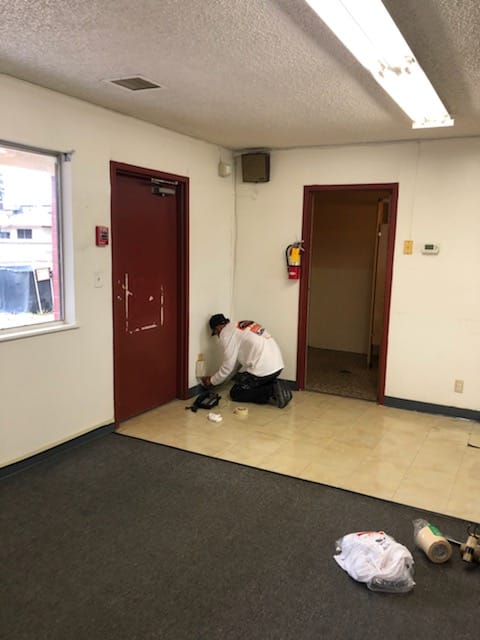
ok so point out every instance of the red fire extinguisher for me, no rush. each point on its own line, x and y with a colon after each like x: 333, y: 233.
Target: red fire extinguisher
x: 294, y: 265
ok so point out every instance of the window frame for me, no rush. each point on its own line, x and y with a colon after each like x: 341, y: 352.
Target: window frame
x: 64, y: 246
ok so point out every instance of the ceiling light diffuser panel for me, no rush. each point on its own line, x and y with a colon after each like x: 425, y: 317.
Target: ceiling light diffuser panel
x: 366, y: 29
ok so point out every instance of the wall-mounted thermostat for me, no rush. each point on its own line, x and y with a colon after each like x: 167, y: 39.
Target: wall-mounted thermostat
x: 430, y: 249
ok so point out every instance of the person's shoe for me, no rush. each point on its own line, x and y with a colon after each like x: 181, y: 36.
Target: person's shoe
x: 281, y: 394
x: 289, y: 391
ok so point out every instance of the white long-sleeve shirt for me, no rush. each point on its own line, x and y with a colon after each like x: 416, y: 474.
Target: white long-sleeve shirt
x: 247, y: 343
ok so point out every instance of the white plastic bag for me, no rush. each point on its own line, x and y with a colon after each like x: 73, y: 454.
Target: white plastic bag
x: 377, y: 559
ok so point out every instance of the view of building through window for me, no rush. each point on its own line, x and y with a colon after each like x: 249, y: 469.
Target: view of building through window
x: 29, y: 248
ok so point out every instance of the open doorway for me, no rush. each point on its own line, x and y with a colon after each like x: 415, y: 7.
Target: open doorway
x: 348, y: 236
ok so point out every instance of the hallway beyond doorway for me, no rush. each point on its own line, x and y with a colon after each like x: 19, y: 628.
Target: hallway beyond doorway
x: 341, y: 373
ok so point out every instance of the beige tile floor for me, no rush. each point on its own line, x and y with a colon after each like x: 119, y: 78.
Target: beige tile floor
x: 408, y: 457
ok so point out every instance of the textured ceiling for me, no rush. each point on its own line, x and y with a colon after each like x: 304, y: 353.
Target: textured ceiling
x: 241, y: 73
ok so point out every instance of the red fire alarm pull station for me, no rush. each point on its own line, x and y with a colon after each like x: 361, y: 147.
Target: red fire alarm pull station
x: 101, y: 236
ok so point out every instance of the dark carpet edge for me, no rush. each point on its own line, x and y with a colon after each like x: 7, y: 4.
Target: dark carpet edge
x: 13, y: 468
x: 303, y: 480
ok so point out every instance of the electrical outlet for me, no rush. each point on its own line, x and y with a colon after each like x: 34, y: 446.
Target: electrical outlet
x: 458, y: 387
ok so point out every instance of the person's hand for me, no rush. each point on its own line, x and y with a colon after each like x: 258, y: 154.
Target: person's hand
x: 206, y: 381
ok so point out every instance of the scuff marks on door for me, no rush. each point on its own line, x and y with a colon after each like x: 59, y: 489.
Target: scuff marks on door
x: 127, y: 294
x: 143, y: 310
x: 149, y: 326
x: 162, y: 305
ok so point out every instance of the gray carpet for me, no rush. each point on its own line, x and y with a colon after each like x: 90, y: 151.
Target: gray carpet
x: 341, y: 373
x: 123, y: 539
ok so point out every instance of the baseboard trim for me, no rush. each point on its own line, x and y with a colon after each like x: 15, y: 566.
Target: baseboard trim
x: 20, y: 465
x: 427, y: 407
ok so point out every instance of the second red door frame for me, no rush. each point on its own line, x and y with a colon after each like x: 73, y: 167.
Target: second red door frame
x: 308, y: 197
x: 183, y: 259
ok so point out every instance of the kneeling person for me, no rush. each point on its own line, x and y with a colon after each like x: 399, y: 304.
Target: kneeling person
x: 248, y: 344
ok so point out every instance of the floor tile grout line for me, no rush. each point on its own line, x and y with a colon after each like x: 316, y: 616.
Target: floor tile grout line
x: 403, y: 477
x: 452, y: 485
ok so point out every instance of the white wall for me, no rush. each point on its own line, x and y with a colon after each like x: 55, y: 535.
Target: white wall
x: 54, y: 387
x: 434, y: 335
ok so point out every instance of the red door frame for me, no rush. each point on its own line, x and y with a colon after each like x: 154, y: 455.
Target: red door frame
x: 182, y: 264
x: 308, y: 194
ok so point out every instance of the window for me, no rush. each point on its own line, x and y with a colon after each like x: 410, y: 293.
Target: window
x: 24, y: 234
x: 30, y: 272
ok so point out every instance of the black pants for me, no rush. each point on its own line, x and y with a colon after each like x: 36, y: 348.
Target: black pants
x: 250, y: 388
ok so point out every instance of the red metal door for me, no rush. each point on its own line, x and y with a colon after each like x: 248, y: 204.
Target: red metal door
x: 145, y: 292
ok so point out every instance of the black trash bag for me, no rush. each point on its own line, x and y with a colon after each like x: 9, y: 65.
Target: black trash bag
x: 206, y: 400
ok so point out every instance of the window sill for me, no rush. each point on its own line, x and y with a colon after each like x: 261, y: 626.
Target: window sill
x: 28, y: 332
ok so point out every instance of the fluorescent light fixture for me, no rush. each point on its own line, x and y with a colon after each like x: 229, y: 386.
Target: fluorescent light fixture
x: 367, y: 30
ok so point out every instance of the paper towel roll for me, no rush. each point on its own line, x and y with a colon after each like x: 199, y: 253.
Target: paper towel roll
x: 436, y: 547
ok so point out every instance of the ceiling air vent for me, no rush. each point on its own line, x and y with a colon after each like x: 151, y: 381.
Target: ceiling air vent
x: 136, y: 83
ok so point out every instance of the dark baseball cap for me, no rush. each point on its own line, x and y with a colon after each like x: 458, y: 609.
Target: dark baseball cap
x: 217, y: 319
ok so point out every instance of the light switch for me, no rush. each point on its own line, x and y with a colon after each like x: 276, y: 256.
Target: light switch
x: 99, y: 280
x: 408, y: 247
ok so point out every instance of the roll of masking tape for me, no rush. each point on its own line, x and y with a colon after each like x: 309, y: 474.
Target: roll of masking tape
x: 241, y: 412
x: 436, y: 547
